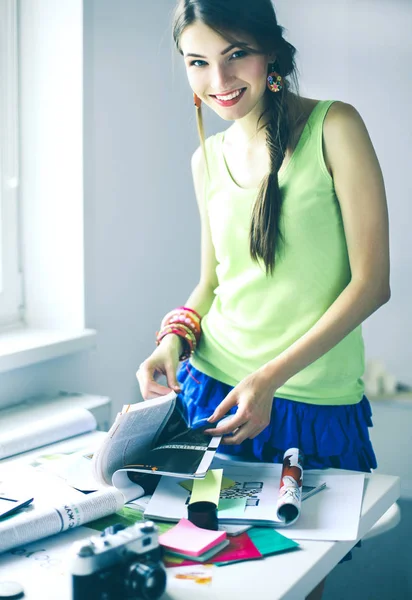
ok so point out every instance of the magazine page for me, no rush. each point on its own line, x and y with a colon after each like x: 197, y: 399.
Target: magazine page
x: 131, y: 435
x: 56, y: 506
x: 257, y: 486
x: 178, y: 450
x: 32, y: 432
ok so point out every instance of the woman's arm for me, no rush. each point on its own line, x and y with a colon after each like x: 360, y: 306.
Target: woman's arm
x: 203, y: 295
x: 360, y: 190
x: 165, y: 358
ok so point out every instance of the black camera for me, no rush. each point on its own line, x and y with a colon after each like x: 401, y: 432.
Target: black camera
x: 122, y: 563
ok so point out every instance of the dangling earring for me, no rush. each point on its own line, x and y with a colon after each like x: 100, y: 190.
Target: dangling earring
x: 197, y: 101
x: 274, y: 81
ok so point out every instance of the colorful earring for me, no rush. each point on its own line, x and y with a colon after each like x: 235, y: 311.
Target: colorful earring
x: 274, y: 81
x: 197, y: 101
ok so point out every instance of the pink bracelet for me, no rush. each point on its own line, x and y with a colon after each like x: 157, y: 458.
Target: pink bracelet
x: 192, y: 310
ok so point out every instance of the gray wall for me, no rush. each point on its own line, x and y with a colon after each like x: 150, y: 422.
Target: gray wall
x: 141, y: 222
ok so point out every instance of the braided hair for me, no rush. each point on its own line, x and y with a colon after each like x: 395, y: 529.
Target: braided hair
x: 229, y: 18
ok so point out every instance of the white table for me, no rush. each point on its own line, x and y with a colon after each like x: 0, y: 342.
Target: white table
x: 290, y: 576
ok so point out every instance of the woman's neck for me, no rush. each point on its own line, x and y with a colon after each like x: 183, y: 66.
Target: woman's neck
x: 251, y: 130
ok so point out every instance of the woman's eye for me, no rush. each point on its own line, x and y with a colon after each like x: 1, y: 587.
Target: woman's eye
x: 239, y: 54
x: 198, y: 63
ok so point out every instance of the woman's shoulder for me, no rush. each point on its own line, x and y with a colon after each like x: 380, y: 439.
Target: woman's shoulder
x: 342, y: 119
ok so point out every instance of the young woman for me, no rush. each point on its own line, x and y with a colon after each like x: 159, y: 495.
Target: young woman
x: 294, y: 251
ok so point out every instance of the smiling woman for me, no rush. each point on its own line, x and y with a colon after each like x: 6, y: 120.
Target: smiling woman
x: 294, y: 251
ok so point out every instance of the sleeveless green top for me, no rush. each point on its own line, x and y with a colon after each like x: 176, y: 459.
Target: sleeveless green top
x: 253, y: 317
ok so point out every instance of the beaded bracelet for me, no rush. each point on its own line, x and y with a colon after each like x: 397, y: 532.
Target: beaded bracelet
x: 183, y: 316
x: 184, y: 322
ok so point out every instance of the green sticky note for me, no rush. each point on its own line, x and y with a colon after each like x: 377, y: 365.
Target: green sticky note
x: 269, y: 541
x: 231, y: 508
x: 226, y: 483
x: 208, y: 488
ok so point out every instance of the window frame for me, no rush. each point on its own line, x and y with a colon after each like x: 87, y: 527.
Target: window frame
x: 11, y: 288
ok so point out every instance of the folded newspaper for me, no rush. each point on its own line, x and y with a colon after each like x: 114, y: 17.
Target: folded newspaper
x: 154, y: 437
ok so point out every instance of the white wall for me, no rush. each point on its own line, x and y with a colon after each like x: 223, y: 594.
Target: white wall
x: 141, y: 223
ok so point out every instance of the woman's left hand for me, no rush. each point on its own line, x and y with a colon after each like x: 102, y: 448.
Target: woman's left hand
x: 254, y: 397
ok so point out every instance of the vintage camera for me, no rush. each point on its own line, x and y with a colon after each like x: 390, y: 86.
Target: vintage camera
x: 121, y: 563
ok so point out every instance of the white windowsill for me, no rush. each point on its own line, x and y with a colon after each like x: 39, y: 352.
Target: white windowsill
x: 26, y: 346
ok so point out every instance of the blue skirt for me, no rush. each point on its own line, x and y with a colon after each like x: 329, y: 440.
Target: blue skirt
x: 328, y: 436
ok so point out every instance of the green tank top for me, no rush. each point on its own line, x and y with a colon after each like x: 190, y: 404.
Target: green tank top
x: 254, y: 318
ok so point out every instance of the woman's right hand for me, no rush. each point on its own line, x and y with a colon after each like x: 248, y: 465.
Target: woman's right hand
x: 163, y: 361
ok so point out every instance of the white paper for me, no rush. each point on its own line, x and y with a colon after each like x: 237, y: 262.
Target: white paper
x: 73, y: 467
x: 43, y: 567
x: 334, y: 513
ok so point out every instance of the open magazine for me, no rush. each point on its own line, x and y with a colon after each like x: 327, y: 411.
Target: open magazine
x: 265, y: 494
x: 154, y: 437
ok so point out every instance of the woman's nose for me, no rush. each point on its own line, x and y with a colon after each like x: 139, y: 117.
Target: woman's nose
x: 221, y: 78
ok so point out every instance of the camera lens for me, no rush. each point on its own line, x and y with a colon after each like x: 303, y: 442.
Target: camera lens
x: 147, y: 581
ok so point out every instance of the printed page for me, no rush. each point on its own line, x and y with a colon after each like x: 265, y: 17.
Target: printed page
x: 56, y: 506
x: 131, y: 435
x: 15, y: 439
x: 259, y: 486
x: 332, y: 514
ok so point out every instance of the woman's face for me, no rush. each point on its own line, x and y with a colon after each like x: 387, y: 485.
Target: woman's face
x: 228, y: 79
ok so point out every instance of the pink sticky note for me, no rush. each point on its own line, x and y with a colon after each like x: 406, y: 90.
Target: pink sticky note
x: 186, y: 537
x: 240, y: 548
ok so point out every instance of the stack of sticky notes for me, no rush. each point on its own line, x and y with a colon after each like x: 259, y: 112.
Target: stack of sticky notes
x: 188, y: 541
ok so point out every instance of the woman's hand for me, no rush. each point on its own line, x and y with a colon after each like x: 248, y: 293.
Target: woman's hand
x: 253, y: 396
x: 163, y: 361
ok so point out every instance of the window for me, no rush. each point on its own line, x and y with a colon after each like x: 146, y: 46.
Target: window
x: 10, y: 274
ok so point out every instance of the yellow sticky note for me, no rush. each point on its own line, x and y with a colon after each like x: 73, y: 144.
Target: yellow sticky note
x: 208, y: 488
x: 226, y: 483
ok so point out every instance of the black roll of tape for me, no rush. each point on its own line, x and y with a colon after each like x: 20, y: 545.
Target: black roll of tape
x: 203, y: 514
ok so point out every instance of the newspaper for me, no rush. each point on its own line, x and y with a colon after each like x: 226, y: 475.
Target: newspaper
x: 56, y: 507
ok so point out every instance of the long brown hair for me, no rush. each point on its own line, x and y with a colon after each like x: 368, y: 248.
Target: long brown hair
x: 231, y: 18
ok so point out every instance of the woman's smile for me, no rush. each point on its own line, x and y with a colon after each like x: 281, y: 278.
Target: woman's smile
x: 230, y: 98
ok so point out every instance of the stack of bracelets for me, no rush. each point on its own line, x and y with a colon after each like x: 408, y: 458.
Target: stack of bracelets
x: 184, y: 322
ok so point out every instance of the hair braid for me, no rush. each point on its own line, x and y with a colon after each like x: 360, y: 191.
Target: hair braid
x: 265, y: 233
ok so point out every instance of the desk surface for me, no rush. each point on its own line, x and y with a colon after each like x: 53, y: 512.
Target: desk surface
x: 43, y: 568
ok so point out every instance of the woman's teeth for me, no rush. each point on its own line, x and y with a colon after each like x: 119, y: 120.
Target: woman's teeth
x: 229, y: 96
